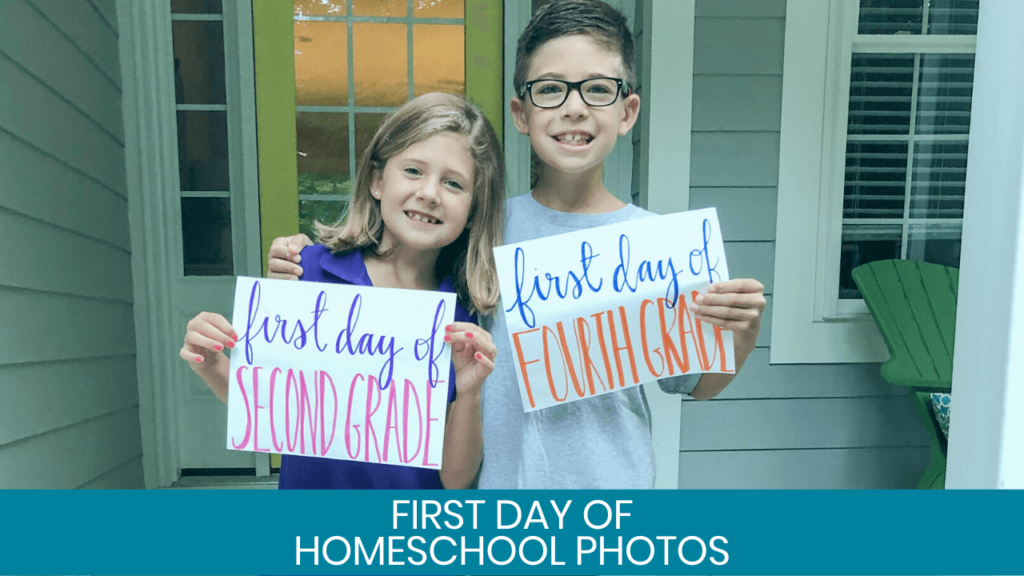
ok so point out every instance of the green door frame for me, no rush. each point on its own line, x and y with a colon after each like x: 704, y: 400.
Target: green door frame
x: 273, y: 43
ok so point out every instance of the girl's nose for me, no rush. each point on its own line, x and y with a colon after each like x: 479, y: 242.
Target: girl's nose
x: 429, y: 191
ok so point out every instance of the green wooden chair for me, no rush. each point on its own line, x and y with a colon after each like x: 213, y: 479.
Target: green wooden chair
x: 914, y: 304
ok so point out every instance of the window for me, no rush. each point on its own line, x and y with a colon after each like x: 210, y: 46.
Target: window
x: 345, y: 83
x: 197, y: 29
x: 881, y: 174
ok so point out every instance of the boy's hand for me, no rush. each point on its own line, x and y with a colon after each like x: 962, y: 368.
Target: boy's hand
x: 206, y: 337
x: 735, y: 305
x: 472, y: 355
x: 283, y: 258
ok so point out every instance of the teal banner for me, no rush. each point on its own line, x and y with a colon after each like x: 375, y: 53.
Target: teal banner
x: 511, y: 532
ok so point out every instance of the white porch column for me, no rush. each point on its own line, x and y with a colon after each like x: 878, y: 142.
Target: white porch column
x: 986, y: 448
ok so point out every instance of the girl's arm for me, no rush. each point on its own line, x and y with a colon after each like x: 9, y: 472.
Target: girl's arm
x: 473, y: 359
x: 206, y: 337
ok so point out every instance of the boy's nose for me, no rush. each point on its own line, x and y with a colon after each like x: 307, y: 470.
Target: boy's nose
x: 574, y: 105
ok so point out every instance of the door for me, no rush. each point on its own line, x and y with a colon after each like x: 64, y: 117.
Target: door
x: 213, y: 224
x: 328, y: 71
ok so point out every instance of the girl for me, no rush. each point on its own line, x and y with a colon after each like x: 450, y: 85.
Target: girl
x: 425, y: 214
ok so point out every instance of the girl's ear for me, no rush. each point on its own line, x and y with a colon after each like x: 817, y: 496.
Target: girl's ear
x: 375, y: 185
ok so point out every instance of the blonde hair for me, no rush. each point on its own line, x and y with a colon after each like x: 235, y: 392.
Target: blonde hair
x: 470, y: 259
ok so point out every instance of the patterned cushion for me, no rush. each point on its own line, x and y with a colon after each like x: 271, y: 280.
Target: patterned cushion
x: 940, y: 405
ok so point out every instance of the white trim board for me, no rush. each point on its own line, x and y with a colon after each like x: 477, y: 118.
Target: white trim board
x: 986, y: 440
x: 800, y: 333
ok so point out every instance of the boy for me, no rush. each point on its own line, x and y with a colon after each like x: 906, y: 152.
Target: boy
x: 573, y: 78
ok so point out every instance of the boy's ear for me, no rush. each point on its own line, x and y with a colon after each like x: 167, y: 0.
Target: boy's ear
x: 632, y: 112
x: 519, y: 115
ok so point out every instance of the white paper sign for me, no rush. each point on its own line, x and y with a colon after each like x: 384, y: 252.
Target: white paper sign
x: 339, y: 371
x: 603, y: 309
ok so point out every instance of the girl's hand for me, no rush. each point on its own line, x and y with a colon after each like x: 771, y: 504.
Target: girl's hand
x: 472, y: 355
x: 206, y: 337
x: 283, y: 258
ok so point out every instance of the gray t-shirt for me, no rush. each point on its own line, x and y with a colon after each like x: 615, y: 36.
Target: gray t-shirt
x: 599, y: 443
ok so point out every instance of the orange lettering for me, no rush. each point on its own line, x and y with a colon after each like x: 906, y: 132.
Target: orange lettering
x: 666, y: 338
x: 604, y: 350
x: 643, y: 339
x: 582, y: 334
x: 572, y: 369
x: 547, y: 365
x: 617, y: 350
x: 523, y: 364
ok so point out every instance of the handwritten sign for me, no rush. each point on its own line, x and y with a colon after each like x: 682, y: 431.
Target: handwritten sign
x: 338, y: 371
x: 603, y: 309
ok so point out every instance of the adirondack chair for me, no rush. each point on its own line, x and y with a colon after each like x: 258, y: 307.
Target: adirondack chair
x: 914, y: 304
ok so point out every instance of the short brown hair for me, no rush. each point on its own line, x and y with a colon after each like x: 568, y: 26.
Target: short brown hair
x: 470, y: 259
x: 604, y: 24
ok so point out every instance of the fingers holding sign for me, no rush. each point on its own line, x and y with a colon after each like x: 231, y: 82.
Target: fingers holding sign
x: 206, y: 337
x: 736, y: 305
x: 473, y: 354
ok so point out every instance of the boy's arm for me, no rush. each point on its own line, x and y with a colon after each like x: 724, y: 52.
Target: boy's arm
x: 735, y: 305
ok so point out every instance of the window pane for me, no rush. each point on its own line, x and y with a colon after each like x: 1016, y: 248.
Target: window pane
x: 381, y: 75
x: 890, y: 16
x: 881, y: 90
x: 206, y: 236
x: 196, y: 7
x: 944, y: 94
x: 321, y: 63
x: 935, y: 243
x: 953, y: 17
x: 381, y: 7
x: 325, y: 212
x: 876, y: 179
x: 203, y: 151
x: 439, y: 59
x: 940, y: 173
x: 863, y: 244
x: 439, y: 8
x: 322, y: 149
x: 198, y: 62
x: 319, y: 7
x: 366, y: 127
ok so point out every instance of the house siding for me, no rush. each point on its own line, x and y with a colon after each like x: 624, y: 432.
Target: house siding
x: 70, y: 415
x: 775, y: 426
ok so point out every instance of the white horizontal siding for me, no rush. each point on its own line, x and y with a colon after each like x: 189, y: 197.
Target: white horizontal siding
x: 783, y: 426
x: 70, y: 415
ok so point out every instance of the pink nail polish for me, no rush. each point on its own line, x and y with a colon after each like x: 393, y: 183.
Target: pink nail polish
x: 199, y: 358
x: 231, y: 344
x: 218, y: 347
x: 448, y: 328
x: 469, y: 334
x: 479, y: 356
x: 447, y: 337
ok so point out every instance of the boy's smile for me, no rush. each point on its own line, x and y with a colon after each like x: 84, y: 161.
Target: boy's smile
x: 574, y: 138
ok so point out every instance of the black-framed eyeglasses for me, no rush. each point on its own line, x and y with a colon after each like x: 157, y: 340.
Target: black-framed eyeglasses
x: 596, y: 92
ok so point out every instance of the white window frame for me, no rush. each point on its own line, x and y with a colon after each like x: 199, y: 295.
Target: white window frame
x: 810, y: 323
